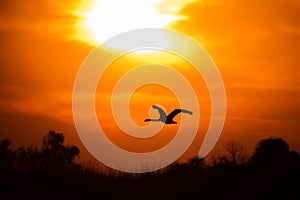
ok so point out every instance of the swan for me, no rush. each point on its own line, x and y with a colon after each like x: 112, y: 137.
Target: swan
x: 167, y: 119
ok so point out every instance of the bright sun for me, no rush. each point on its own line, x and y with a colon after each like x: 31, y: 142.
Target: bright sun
x: 102, y: 19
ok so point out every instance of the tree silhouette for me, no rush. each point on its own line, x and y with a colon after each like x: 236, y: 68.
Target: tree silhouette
x: 7, y: 156
x: 273, y: 167
x: 54, y: 155
x: 236, y: 152
x: 27, y: 159
x: 270, y: 153
x: 52, y: 172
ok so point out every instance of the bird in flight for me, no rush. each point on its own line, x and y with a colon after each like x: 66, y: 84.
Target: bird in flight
x: 167, y: 119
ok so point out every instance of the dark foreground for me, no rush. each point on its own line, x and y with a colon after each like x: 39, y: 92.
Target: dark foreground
x: 51, y: 173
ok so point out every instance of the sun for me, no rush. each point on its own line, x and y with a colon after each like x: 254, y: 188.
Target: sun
x: 102, y: 19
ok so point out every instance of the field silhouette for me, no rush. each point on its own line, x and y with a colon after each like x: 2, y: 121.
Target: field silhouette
x: 51, y: 172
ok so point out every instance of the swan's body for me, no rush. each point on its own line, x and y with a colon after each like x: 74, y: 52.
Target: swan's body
x: 167, y: 119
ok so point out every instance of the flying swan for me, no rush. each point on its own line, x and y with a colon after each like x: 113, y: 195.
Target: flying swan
x: 167, y: 119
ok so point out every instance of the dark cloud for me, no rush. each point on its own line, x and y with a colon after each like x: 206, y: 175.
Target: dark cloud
x: 28, y: 129
x: 36, y: 66
x: 14, y: 13
x: 30, y: 62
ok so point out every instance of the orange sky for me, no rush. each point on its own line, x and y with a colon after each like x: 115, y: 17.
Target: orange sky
x: 255, y: 45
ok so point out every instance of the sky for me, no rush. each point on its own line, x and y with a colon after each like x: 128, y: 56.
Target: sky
x: 255, y: 45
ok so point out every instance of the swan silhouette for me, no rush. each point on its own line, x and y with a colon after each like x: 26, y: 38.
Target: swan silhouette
x: 167, y: 119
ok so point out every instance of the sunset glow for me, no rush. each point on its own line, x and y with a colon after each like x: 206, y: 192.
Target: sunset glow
x: 255, y: 45
x: 149, y: 99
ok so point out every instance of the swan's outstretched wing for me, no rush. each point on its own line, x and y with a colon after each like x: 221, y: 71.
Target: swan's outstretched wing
x: 177, y: 111
x: 162, y: 113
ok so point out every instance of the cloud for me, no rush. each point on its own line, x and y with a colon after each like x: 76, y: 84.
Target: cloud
x: 35, y: 14
x: 220, y: 18
x: 271, y: 104
x: 252, y: 42
x: 28, y: 129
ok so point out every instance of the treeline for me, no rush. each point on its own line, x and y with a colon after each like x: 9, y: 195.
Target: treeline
x: 272, y: 170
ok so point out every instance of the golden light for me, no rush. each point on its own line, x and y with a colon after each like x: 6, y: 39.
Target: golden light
x: 102, y: 19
